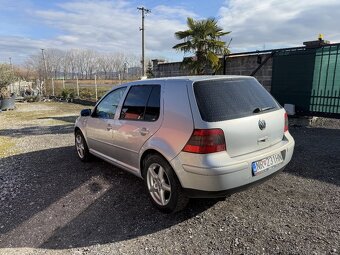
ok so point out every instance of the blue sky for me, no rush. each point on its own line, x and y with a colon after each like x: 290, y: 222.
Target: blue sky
x: 112, y: 26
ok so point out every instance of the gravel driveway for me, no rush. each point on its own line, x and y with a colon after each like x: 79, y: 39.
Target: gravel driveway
x: 51, y: 203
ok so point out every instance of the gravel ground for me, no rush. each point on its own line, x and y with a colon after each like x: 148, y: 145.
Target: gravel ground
x: 51, y: 203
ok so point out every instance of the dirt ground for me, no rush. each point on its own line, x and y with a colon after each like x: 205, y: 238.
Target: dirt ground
x: 51, y: 203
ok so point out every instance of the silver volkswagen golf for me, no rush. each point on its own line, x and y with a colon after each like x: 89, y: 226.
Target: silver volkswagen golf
x: 202, y: 136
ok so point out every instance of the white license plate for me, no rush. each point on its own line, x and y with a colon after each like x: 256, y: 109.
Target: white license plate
x: 262, y: 165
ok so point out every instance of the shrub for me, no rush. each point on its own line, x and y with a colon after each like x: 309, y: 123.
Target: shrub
x: 65, y: 93
x: 32, y: 98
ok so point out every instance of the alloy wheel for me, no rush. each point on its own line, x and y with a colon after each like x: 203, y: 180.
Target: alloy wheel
x: 158, y: 184
x: 80, y: 146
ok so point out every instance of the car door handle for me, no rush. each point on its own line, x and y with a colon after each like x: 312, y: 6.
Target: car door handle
x: 262, y: 140
x: 109, y: 127
x: 144, y: 131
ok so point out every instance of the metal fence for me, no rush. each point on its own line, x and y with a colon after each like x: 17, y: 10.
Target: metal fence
x: 309, y: 78
x: 325, y: 102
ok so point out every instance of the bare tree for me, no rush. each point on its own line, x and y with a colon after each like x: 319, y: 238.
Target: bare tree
x: 87, y: 58
x: 29, y: 72
x: 35, y: 62
x: 104, y: 65
x: 81, y: 63
x: 54, y: 59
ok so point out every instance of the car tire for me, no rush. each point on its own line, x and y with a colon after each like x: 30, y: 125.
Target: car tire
x: 162, y: 184
x: 81, y: 147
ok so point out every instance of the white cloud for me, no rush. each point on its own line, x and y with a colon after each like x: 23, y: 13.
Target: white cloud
x: 277, y: 23
x: 106, y: 26
x: 114, y: 26
x: 19, y: 48
x: 68, y: 38
x: 166, y: 11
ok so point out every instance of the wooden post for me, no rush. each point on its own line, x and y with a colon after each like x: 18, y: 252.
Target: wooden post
x: 77, y: 86
x: 52, y: 86
x: 95, y: 84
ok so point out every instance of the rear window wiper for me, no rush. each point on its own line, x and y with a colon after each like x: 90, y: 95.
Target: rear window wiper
x: 263, y: 109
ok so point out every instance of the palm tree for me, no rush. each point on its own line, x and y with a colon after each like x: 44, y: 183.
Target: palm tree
x: 203, y: 39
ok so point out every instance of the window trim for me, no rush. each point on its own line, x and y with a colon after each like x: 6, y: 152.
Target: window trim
x: 141, y: 85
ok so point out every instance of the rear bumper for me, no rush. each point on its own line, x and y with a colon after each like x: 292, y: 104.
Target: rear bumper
x: 194, y: 193
x: 216, y: 179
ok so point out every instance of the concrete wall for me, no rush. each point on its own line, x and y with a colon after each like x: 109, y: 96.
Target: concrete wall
x: 235, y: 65
x: 168, y: 69
x: 245, y: 65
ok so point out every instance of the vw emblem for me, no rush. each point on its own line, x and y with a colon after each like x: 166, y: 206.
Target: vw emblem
x: 262, y: 124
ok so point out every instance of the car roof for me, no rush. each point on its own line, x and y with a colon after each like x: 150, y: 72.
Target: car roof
x: 186, y: 78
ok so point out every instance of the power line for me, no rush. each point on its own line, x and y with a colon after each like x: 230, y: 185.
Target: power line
x: 144, y: 11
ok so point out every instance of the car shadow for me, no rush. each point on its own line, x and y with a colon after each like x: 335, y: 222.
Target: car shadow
x: 70, y: 119
x: 316, y: 154
x: 37, y: 130
x: 52, y: 200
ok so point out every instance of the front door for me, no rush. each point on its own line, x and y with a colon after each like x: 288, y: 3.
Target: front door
x: 100, y: 125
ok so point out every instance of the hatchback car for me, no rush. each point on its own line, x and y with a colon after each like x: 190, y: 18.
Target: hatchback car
x: 202, y: 136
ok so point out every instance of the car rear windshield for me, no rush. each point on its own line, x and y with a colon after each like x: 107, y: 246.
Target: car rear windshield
x: 227, y: 99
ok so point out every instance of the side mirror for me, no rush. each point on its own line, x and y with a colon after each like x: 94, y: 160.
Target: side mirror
x: 85, y: 112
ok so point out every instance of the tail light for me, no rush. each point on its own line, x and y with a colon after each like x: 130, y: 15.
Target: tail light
x: 285, y: 129
x: 205, y: 141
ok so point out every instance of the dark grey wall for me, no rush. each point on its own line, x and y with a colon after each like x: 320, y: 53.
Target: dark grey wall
x: 235, y: 65
x: 245, y: 65
x: 168, y: 70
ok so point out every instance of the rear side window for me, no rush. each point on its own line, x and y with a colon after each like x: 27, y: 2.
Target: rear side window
x: 220, y: 100
x: 142, y: 103
x: 153, y: 106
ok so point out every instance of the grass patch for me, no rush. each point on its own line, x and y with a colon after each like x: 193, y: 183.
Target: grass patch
x: 7, y: 147
x: 26, y: 112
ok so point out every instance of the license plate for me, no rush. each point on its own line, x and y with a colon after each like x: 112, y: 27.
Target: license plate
x: 262, y: 165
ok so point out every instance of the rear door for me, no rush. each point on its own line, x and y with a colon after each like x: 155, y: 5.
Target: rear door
x: 249, y: 116
x: 139, y: 119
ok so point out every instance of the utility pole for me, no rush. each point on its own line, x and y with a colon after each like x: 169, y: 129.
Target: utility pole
x: 10, y: 63
x: 124, y: 71
x: 45, y: 72
x: 144, y: 11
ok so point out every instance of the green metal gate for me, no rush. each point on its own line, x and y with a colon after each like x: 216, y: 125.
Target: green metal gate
x: 325, y: 95
x: 309, y: 79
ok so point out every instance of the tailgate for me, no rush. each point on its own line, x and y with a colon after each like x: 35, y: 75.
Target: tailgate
x: 244, y: 135
x: 249, y: 116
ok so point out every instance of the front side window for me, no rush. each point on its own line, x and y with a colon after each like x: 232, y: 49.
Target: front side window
x: 142, y: 103
x: 106, y: 109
